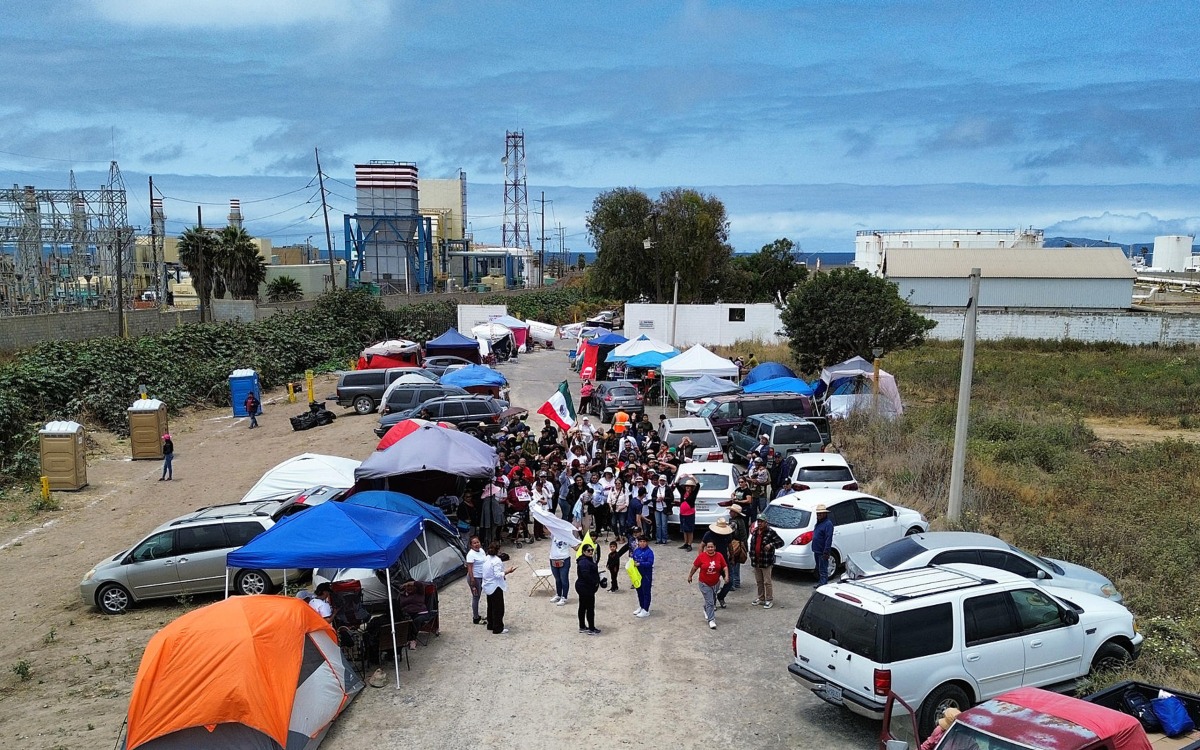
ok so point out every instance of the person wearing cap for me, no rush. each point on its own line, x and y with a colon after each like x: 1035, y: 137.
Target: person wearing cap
x: 720, y: 534
x: 763, y: 543
x: 713, y: 570
x: 763, y: 449
x: 943, y: 726
x: 788, y: 489
x: 587, y: 583
x: 168, y: 450
x: 822, y: 543
x: 662, y: 497
x: 760, y: 481
x: 741, y: 535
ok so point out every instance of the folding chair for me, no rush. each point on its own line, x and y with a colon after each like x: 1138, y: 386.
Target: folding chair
x: 405, y: 632
x: 542, y: 577
x: 427, y: 622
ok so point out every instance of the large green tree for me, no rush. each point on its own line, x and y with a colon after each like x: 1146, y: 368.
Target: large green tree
x: 831, y: 317
x: 766, y: 276
x: 641, y: 243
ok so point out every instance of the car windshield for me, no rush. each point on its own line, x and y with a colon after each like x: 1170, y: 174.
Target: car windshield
x: 708, y: 409
x: 624, y: 392
x: 711, y: 481
x: 1049, y: 563
x: 796, y: 434
x: 897, y: 552
x: 962, y: 736
x: 809, y: 474
x: 700, y: 438
x: 784, y: 517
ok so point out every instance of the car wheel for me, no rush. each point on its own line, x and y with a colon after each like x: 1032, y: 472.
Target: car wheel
x: 113, y: 599
x: 251, y: 582
x: 474, y: 432
x: 835, y: 563
x: 936, y: 703
x: 914, y: 530
x: 364, y: 405
x: 1109, y: 658
x: 603, y: 416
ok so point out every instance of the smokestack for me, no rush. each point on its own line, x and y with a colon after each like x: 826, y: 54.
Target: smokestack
x: 235, y: 212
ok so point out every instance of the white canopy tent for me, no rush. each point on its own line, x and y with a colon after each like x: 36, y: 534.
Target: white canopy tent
x: 698, y: 361
x: 301, y: 472
x: 640, y: 345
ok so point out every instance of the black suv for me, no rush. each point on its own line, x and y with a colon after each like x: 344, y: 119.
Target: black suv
x: 363, y: 389
x: 404, y: 397
x: 473, y: 414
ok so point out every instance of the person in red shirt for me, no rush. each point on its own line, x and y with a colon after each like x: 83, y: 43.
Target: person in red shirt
x: 713, y: 570
x: 521, y: 473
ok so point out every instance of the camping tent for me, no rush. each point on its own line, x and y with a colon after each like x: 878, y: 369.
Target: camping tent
x: 640, y: 345
x: 337, y: 535
x: 519, y: 328
x: 542, y: 333
x: 248, y: 672
x: 391, y: 353
x: 781, y: 385
x: 454, y: 343
x: 849, y: 386
x: 474, y: 375
x: 300, y: 473
x: 704, y: 386
x: 767, y: 371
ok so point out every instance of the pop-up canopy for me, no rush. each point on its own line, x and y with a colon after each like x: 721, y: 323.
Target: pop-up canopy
x: 454, y: 343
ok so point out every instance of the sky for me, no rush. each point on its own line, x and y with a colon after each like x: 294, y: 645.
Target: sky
x: 810, y: 120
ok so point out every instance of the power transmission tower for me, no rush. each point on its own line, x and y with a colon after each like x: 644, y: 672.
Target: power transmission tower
x: 516, y: 195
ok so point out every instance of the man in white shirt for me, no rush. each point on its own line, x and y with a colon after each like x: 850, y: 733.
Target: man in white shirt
x: 322, y: 601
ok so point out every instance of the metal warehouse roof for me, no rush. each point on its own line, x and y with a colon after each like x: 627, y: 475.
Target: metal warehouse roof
x: 998, y: 263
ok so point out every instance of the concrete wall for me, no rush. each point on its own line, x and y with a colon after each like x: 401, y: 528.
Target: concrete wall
x: 1126, y: 327
x: 1088, y: 294
x: 470, y: 316
x: 27, y: 330
x: 704, y: 324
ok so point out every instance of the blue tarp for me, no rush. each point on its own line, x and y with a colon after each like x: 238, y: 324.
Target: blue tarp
x: 331, y: 535
x: 648, y: 359
x: 473, y: 375
x: 609, y: 339
x: 782, y: 385
x: 451, y: 339
x: 704, y: 387
x: 767, y: 371
x: 509, y: 321
x: 398, y: 502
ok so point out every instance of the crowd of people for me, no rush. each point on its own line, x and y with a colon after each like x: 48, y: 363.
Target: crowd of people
x: 589, y: 485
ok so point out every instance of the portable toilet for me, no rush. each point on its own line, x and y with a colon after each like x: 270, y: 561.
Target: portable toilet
x: 62, y: 452
x: 147, y: 425
x: 241, y: 384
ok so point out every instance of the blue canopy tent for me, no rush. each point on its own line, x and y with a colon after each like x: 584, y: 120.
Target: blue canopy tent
x: 474, y: 375
x: 782, y: 385
x: 437, y: 555
x: 333, y: 534
x: 398, y: 502
x: 454, y: 343
x: 767, y: 371
x: 647, y: 360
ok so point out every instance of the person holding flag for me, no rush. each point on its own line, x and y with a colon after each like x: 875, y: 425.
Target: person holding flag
x: 559, y: 409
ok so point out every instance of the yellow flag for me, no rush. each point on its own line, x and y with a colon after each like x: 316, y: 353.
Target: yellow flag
x: 587, y: 541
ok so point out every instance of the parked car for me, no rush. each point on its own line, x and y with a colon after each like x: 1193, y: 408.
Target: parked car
x: 785, y: 434
x: 473, y: 414
x: 405, y: 397
x: 818, y: 471
x: 364, y: 389
x: 949, y: 637
x: 727, y: 413
x: 438, y: 363
x: 860, y: 522
x: 307, y: 498
x: 184, y: 556
x: 612, y: 396
x: 699, y: 431
x: 944, y: 547
x: 717, y: 481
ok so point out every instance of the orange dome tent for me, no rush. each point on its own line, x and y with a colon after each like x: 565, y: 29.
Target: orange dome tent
x: 246, y: 672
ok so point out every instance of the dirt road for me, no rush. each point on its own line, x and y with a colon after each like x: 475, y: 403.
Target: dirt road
x: 661, y: 681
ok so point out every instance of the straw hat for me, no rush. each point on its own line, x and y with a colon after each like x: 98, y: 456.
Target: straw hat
x: 948, y: 717
x: 721, y: 527
x: 822, y: 509
x: 735, y: 508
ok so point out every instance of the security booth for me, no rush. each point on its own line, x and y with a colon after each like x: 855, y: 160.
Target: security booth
x: 241, y: 384
x: 147, y: 425
x: 62, y: 453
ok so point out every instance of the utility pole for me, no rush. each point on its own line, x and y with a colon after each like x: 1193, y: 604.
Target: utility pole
x: 958, y: 465
x: 120, y: 285
x: 675, y: 310
x: 203, y: 267
x: 542, y: 254
x: 328, y: 234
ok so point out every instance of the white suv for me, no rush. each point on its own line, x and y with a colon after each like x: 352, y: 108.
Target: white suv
x: 951, y: 636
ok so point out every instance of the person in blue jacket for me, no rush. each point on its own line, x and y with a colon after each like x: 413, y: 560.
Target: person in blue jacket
x: 643, y: 558
x: 822, y: 542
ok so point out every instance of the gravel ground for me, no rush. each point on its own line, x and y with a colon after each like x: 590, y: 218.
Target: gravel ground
x: 659, y: 681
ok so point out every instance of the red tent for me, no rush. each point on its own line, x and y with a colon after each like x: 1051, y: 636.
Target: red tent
x: 392, y: 353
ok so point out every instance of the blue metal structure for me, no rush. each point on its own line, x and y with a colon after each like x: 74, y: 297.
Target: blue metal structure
x: 359, y: 228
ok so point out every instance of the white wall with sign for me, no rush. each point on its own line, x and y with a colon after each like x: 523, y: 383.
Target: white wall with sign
x: 470, y: 316
x: 711, y: 325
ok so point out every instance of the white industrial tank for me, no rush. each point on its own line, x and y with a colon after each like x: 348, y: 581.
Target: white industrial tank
x: 1173, y: 252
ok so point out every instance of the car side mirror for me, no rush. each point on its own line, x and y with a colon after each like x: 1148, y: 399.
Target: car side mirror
x: 1070, y: 617
x: 1042, y: 575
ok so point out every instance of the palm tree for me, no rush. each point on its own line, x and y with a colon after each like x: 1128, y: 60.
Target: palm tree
x: 197, y: 253
x: 284, y: 289
x: 242, y: 269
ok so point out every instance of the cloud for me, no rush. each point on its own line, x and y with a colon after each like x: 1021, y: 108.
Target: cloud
x: 1091, y: 151
x: 1143, y: 224
x: 859, y: 142
x: 164, y: 154
x: 239, y: 14
x: 971, y: 133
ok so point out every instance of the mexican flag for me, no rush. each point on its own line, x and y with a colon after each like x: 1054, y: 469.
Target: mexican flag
x: 560, y: 408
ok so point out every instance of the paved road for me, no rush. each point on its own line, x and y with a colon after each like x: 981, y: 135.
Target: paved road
x: 664, y: 681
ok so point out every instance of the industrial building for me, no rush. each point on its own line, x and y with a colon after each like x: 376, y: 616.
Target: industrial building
x: 1082, y: 278
x: 871, y: 247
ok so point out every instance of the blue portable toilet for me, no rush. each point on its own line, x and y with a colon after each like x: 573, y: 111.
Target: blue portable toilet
x: 241, y: 384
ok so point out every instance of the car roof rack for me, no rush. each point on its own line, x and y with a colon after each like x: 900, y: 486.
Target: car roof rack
x: 912, y: 584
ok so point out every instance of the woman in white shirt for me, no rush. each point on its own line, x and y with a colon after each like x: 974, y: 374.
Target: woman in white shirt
x: 494, y: 586
x: 476, y: 558
x: 618, y: 501
x: 560, y: 565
